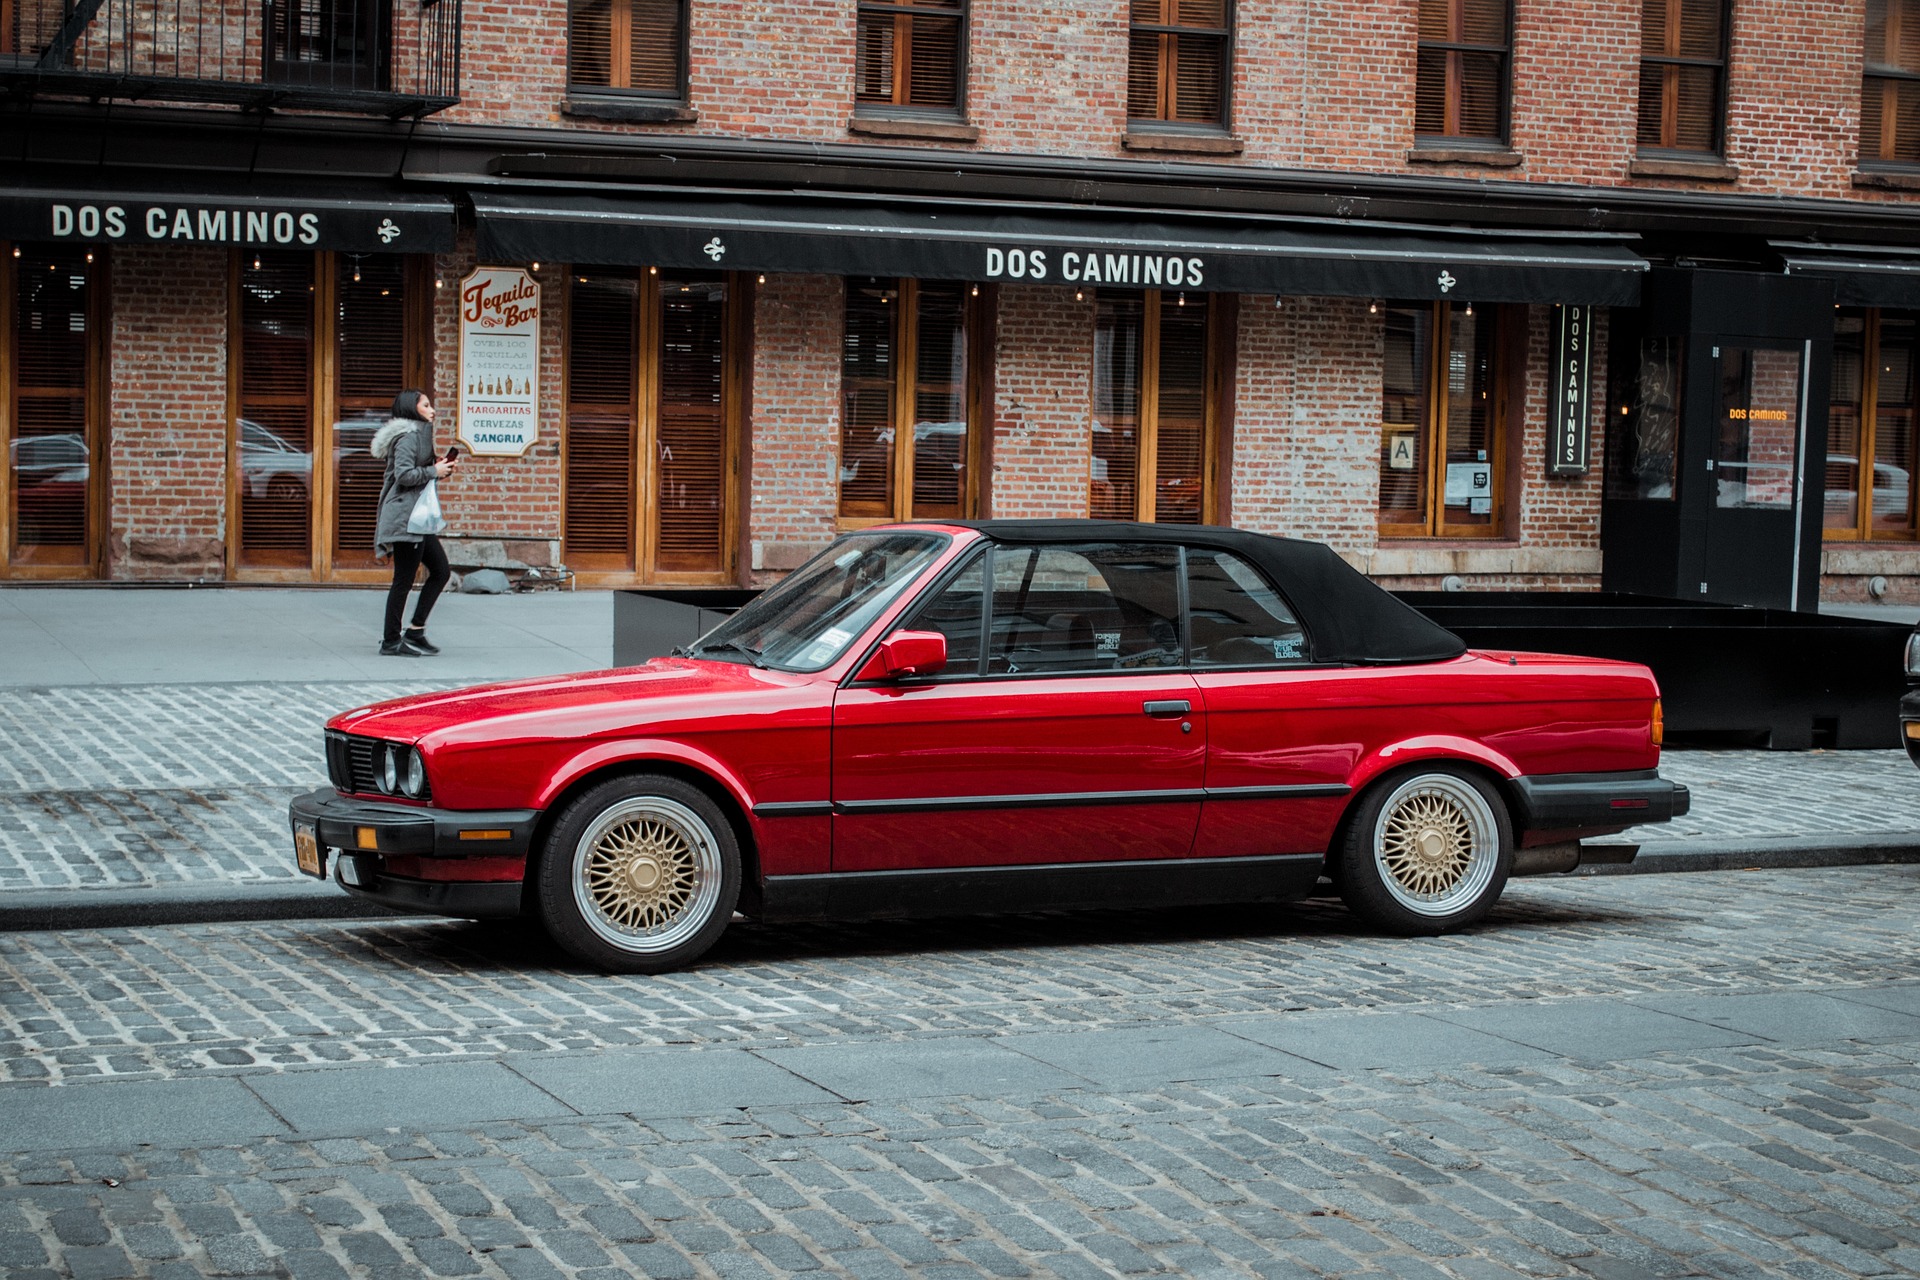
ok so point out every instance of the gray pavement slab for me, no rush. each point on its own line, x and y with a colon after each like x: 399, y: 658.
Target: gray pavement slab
x: 1596, y: 1030
x: 1365, y: 1041
x: 1792, y: 1018
x: 361, y: 1099
x: 126, y: 1114
x: 1134, y: 1056
x: 668, y: 1082
x: 1902, y: 997
x: 884, y: 1070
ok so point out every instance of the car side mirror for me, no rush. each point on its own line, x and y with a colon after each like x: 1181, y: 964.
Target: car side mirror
x: 907, y: 653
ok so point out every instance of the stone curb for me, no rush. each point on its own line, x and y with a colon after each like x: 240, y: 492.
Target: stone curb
x: 141, y: 907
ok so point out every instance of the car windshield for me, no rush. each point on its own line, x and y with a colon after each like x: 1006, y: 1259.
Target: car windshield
x: 808, y: 620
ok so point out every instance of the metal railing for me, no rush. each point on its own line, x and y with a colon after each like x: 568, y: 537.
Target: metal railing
x: 388, y: 57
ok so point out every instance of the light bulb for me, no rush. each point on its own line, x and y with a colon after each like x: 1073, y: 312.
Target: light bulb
x: 1183, y: 299
x: 536, y: 266
x: 763, y: 279
x: 1079, y: 296
x: 1373, y: 308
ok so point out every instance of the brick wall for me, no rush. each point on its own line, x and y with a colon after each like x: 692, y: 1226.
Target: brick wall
x: 1043, y: 402
x: 794, y: 454
x: 167, y: 414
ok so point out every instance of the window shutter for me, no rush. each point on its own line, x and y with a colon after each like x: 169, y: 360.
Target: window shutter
x: 1403, y: 410
x: 601, y: 416
x: 275, y: 445
x: 1845, y: 422
x: 690, y: 452
x: 933, y: 78
x: 1482, y: 83
x: 371, y: 367
x: 1894, y: 453
x: 867, y: 375
x: 1483, y: 22
x: 1144, y: 65
x: 1112, y: 493
x: 1181, y: 418
x: 940, y: 450
x: 590, y: 42
x: 655, y: 42
x: 1436, y: 21
x: 873, y: 57
x: 1430, y: 92
x: 51, y: 449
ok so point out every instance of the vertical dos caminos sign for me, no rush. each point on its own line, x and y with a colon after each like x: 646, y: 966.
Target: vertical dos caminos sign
x: 1569, y: 425
x: 499, y: 361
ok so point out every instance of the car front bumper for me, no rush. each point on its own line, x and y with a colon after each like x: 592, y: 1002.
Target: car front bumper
x: 1585, y: 801
x: 1910, y: 724
x: 435, y: 861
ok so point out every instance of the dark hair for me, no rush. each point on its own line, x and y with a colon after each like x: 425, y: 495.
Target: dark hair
x: 407, y: 404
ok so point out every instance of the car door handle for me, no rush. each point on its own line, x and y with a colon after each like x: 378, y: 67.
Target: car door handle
x: 1171, y: 707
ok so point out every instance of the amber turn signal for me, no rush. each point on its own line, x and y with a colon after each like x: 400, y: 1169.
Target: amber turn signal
x: 365, y: 838
x: 486, y: 834
x: 1913, y: 728
x: 1659, y: 724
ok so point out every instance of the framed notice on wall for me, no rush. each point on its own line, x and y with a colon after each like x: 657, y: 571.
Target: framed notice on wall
x: 499, y: 361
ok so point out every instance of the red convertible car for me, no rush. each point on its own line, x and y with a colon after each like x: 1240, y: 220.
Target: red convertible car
x: 950, y: 717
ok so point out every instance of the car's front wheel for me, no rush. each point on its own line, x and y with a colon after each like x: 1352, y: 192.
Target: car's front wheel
x: 639, y: 875
x: 1426, y: 852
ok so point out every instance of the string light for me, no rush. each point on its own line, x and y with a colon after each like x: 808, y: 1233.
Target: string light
x: 763, y: 278
x: 1373, y: 307
x: 536, y: 266
x: 1469, y: 308
x: 1183, y: 299
x: 1079, y: 296
x: 652, y: 271
x: 976, y: 291
x: 256, y: 262
x: 89, y: 255
x: 1277, y: 301
x: 16, y: 251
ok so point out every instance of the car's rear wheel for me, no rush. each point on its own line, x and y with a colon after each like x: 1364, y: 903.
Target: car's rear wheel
x: 639, y: 875
x: 1427, y: 851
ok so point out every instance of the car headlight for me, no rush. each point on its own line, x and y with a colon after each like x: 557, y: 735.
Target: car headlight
x: 1913, y: 656
x: 416, y: 780
x: 390, y: 769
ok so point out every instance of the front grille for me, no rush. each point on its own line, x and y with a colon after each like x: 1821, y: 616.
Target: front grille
x: 353, y: 764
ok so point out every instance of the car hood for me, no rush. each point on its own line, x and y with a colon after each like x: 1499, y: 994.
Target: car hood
x: 659, y: 693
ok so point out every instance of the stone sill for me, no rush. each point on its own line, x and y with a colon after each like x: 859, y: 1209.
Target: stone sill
x: 1888, y: 179
x: 914, y: 127
x: 1407, y: 559
x: 1869, y: 558
x: 1668, y: 167
x: 1212, y: 144
x: 1486, y: 157
x: 628, y: 110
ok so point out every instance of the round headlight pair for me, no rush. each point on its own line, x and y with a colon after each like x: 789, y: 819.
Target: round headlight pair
x: 403, y: 771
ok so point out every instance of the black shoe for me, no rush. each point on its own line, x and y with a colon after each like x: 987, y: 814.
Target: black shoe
x: 402, y: 648
x: 417, y: 637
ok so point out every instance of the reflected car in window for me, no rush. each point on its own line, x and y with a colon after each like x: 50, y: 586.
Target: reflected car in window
x: 935, y: 718
x: 272, y: 466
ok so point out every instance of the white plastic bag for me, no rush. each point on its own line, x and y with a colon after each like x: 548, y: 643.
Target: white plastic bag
x: 426, y: 517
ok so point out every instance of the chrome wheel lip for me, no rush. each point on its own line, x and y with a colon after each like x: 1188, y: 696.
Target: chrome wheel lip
x: 699, y: 859
x: 1450, y: 807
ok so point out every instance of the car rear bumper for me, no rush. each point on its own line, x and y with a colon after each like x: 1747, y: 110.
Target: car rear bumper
x: 412, y: 858
x: 1583, y: 801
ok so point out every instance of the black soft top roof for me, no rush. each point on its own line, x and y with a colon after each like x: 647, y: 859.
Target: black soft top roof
x: 1349, y: 619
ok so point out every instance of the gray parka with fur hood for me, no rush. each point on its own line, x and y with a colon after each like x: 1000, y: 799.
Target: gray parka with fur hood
x: 407, y: 445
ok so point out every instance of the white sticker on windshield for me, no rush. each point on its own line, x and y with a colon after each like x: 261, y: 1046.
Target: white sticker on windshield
x: 833, y: 638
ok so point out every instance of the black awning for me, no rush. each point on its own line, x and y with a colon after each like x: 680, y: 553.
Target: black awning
x: 250, y: 215
x: 1053, y: 246
x: 1862, y: 275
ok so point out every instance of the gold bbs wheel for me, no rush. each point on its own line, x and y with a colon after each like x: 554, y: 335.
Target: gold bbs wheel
x: 1436, y: 844
x: 646, y: 874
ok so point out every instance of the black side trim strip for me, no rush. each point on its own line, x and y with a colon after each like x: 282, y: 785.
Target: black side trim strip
x: 1049, y: 800
x: 1057, y: 886
x: 793, y: 809
x: 1297, y: 791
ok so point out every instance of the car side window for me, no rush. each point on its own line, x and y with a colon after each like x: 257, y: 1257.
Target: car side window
x: 955, y: 613
x: 1237, y: 618
x: 1084, y: 607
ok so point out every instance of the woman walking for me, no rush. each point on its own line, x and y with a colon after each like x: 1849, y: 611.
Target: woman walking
x: 406, y: 442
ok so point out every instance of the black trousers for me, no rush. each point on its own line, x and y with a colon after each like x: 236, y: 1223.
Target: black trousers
x: 407, y: 559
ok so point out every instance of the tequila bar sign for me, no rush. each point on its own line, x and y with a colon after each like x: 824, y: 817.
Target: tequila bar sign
x: 1570, y: 425
x: 499, y: 361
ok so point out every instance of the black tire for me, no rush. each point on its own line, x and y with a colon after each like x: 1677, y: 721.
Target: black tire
x: 1426, y: 851
x: 639, y: 875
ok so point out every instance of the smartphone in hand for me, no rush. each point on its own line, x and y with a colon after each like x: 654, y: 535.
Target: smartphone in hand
x: 453, y: 453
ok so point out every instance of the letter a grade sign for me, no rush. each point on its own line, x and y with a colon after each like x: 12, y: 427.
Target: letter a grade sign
x: 499, y: 361
x: 1570, y: 423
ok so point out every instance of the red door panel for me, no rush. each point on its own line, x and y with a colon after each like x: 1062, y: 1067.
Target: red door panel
x: 911, y: 765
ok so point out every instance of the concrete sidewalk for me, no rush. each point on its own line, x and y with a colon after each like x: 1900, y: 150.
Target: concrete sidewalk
x: 150, y: 740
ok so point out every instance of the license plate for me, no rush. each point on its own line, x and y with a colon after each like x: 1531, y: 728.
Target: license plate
x: 306, y: 850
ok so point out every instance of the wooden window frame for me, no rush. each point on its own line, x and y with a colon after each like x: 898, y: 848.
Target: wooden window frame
x: 736, y: 357
x: 902, y: 13
x: 1450, y: 109
x: 1866, y: 451
x: 1169, y: 29
x: 620, y: 52
x: 1668, y: 147
x: 323, y: 399
x: 906, y: 372
x: 1221, y: 319
x: 93, y: 562
x: 1888, y: 78
x: 1507, y: 347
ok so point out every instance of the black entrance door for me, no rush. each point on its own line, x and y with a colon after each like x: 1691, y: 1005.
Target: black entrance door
x: 1755, y: 496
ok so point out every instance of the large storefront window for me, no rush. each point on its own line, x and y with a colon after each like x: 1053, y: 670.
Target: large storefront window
x: 52, y: 336
x: 1871, y: 447
x: 652, y: 432
x: 1155, y: 397
x: 1442, y: 472
x: 322, y: 342
x: 912, y: 359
